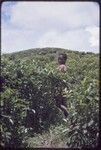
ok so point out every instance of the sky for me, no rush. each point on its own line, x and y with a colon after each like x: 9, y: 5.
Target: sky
x: 69, y: 25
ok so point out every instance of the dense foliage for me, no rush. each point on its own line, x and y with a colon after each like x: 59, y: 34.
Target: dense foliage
x: 30, y: 81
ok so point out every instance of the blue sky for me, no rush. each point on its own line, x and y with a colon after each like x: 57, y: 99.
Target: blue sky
x: 69, y: 25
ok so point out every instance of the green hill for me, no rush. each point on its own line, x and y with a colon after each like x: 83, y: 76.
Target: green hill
x: 29, y: 116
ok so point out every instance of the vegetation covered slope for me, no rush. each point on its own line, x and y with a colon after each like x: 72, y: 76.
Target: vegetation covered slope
x: 29, y: 116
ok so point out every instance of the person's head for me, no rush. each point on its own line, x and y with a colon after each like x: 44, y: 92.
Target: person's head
x: 62, y: 58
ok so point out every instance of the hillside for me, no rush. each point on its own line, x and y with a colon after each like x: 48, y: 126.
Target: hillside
x: 30, y: 117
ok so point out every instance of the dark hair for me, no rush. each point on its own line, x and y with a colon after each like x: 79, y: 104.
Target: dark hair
x: 62, y: 58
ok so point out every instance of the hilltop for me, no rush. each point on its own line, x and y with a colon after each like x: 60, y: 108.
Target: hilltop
x: 47, y: 50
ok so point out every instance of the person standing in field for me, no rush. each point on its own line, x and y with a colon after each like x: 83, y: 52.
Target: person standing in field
x: 61, y: 62
x: 59, y: 98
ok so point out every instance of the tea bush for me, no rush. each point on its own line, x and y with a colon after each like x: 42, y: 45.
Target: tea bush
x: 30, y: 82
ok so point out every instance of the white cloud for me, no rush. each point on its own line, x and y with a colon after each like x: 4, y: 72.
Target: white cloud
x: 94, y: 38
x: 69, y: 15
x: 16, y: 40
x: 74, y: 40
x: 54, y: 24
